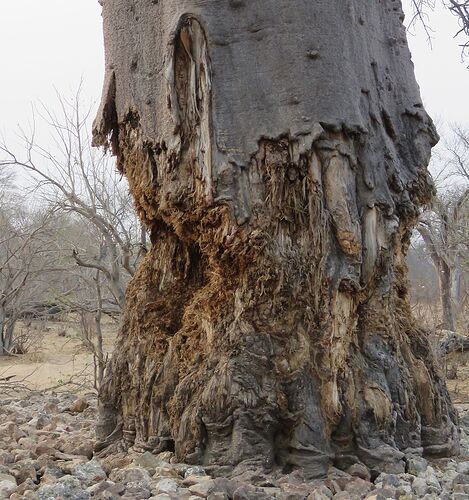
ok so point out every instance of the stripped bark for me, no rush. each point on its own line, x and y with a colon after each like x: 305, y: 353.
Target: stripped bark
x: 277, y: 151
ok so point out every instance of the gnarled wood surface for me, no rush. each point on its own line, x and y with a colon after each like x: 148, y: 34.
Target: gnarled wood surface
x: 277, y: 150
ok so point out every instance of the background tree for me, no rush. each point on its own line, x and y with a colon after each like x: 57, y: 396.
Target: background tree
x: 459, y: 8
x: 97, y: 237
x: 444, y: 228
x: 277, y: 152
x: 78, y: 181
x: 26, y: 265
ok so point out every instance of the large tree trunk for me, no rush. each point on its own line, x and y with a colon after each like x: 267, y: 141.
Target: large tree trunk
x: 277, y: 150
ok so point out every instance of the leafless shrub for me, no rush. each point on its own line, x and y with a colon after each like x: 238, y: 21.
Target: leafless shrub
x: 27, y: 340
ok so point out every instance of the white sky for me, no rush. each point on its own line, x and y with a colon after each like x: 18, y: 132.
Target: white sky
x: 47, y: 44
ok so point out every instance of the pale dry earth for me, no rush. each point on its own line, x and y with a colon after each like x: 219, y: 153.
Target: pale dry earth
x: 55, y: 360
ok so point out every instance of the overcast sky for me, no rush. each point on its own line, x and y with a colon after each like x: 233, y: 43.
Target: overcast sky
x: 47, y: 44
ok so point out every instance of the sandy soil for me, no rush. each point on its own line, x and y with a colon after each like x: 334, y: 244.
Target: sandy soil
x: 55, y: 360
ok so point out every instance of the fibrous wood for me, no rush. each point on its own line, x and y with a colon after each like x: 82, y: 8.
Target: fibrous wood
x: 277, y: 151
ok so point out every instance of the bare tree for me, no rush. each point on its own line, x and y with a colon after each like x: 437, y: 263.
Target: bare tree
x: 459, y: 8
x: 26, y: 263
x: 77, y: 180
x: 445, y: 231
x: 444, y: 227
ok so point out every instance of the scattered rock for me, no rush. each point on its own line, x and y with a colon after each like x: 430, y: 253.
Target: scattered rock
x: 164, y: 485
x: 89, y: 473
x: 79, y: 405
x: 248, y: 492
x: 149, y: 461
x: 66, y: 487
x: 416, y: 465
x: 46, y: 453
x: 77, y: 445
x: 419, y: 486
x: 29, y: 484
x: 119, y: 461
x: 358, y: 487
x: 320, y: 493
x: 7, y: 486
x: 130, y: 475
x: 190, y: 480
x: 194, y: 471
x: 359, y: 470
x: 202, y: 489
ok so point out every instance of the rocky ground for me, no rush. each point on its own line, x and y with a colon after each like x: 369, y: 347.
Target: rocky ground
x: 46, y: 452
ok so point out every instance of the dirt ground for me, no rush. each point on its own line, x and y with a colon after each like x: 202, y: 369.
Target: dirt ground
x: 57, y: 356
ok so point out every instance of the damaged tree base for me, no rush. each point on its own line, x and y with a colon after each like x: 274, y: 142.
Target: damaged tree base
x: 269, y: 325
x: 261, y: 343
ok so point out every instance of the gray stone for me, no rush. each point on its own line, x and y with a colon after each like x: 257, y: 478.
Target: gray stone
x: 7, y: 487
x: 344, y: 495
x: 358, y: 487
x: 461, y: 488
x: 24, y: 470
x: 77, y: 445
x: 131, y: 474
x: 465, y: 421
x: 164, y: 485
x: 166, y: 472
x: 194, y: 471
x: 28, y: 484
x: 321, y: 493
x: 391, y: 480
x: 202, y: 489
x: 416, y: 465
x: 51, y: 475
x: 461, y: 479
x: 431, y: 478
x: 463, y: 467
x: 149, y: 461
x: 7, y: 477
x: 137, y: 491
x: 381, y: 494
x: 66, y: 487
x: 419, y: 486
x: 100, y: 487
x: 190, y: 480
x: 89, y: 473
x: 248, y: 492
x: 359, y: 470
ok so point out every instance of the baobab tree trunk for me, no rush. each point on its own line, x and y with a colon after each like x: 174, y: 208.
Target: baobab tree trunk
x: 277, y: 151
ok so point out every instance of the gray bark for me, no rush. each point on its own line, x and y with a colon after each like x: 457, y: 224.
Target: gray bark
x: 277, y: 151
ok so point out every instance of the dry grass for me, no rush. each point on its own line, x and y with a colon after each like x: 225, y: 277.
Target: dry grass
x: 55, y: 360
